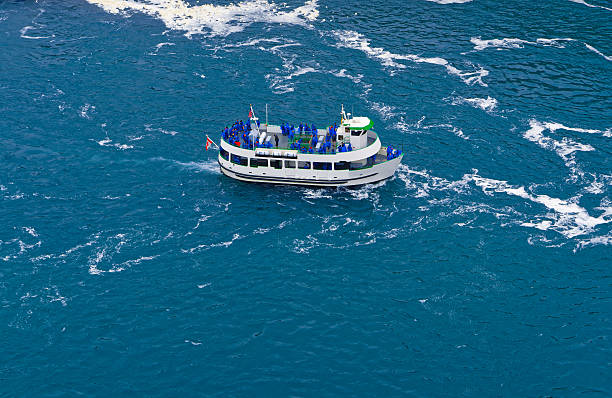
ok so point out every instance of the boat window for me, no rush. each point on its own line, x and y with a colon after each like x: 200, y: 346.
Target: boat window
x: 340, y: 138
x: 224, y: 154
x: 357, y: 165
x: 321, y: 166
x: 341, y: 166
x: 303, y: 165
x: 290, y: 164
x: 241, y: 160
x: 277, y: 164
x: 255, y: 162
x: 356, y: 133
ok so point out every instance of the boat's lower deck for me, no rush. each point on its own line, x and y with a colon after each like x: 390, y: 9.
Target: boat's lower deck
x: 277, y: 173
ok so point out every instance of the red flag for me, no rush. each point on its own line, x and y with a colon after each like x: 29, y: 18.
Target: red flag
x: 209, y: 142
x: 250, y: 113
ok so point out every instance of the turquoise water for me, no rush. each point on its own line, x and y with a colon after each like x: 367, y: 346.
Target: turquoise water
x: 131, y: 266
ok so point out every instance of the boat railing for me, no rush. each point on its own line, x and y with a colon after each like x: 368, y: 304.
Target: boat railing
x: 295, y: 140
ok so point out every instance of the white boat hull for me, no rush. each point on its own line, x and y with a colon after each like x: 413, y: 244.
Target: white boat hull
x: 320, y: 178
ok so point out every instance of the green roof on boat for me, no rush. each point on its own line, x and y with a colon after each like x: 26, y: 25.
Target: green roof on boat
x: 359, y: 123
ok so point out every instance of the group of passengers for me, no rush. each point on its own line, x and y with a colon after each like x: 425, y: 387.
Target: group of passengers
x: 241, y: 131
x: 392, y: 153
x: 238, y: 131
x: 309, y: 145
x: 239, y: 135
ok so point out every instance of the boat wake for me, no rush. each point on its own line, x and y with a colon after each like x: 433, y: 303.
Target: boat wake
x: 564, y: 216
x: 357, y: 41
x: 590, y: 5
x: 510, y: 43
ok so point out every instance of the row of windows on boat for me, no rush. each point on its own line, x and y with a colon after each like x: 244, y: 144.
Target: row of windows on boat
x: 292, y: 164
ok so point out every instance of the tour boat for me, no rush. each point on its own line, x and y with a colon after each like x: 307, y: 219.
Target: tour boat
x: 346, y: 154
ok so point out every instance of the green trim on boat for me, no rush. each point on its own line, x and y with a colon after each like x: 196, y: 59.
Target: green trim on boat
x: 369, y: 126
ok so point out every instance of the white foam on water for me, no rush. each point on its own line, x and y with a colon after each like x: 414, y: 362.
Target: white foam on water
x: 600, y: 181
x: 553, y: 127
x: 25, y: 30
x: 486, y: 104
x: 202, y: 219
x: 84, y: 110
x: 213, y: 20
x: 108, y: 142
x: 386, y: 112
x: 469, y: 78
x: 78, y: 247
x: 368, y: 191
x: 565, y: 217
x: 167, y: 132
x: 202, y: 286
x: 204, y: 246
x: 211, y: 166
x: 280, y: 84
x: 342, y: 73
x: 55, y: 296
x: 403, y: 126
x: 105, y: 252
x: 193, y: 342
x: 95, y: 260
x: 459, y: 133
x: 37, y: 25
x: 357, y: 41
x: 310, y: 193
x: 160, y: 45
x: 255, y: 42
x: 480, y: 44
x: 282, y: 79
x: 605, y: 240
x: 590, y: 5
x: 30, y: 231
x: 423, y: 183
x: 596, y: 51
x: 129, y: 263
x: 565, y: 148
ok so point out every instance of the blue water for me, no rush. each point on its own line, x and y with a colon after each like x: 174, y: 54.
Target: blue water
x: 131, y: 266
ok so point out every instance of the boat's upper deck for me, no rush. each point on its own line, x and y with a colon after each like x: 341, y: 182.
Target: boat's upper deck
x: 303, y: 139
x: 273, y: 138
x: 351, y: 141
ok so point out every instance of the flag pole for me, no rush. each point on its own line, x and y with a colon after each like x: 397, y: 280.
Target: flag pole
x: 266, y: 118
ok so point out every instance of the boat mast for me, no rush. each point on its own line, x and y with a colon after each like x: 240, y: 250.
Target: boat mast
x: 266, y: 118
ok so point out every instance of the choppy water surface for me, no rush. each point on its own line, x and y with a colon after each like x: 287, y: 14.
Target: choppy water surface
x: 129, y: 265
